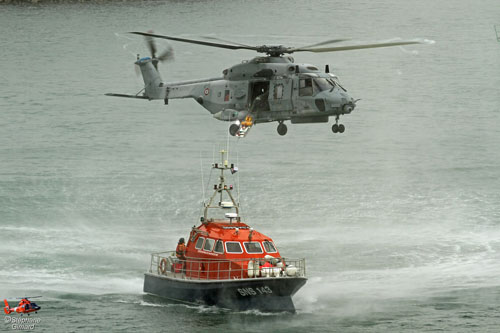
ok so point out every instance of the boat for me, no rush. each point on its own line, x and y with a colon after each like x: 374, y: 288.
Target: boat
x: 227, y: 263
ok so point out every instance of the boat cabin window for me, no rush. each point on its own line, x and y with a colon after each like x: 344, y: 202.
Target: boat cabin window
x: 233, y: 247
x: 305, y: 87
x: 219, y: 247
x: 253, y: 247
x: 199, y: 243
x: 209, y: 244
x: 269, y: 247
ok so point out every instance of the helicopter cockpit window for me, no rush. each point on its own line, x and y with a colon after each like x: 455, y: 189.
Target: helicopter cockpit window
x: 305, y: 87
x: 341, y: 86
x: 321, y: 84
x: 335, y: 81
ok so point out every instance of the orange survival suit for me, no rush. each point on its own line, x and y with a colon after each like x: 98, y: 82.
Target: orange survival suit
x: 180, y: 251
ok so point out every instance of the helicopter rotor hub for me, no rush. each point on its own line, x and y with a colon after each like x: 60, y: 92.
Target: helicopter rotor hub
x: 273, y: 50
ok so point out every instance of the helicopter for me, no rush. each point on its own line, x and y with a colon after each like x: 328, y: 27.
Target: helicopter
x: 25, y: 306
x: 264, y: 89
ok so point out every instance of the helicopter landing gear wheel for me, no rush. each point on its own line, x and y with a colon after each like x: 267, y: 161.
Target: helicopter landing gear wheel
x: 233, y: 129
x: 282, y: 129
x: 338, y: 128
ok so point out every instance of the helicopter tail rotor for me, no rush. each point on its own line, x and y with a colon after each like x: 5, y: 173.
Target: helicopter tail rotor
x: 166, y: 55
x: 7, y: 308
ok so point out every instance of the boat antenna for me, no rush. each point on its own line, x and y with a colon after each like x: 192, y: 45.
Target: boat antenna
x: 213, y: 154
x: 220, y: 189
x: 238, y: 175
x: 202, y: 181
x: 227, y: 146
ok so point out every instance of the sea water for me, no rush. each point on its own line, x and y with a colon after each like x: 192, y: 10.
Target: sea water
x: 398, y: 218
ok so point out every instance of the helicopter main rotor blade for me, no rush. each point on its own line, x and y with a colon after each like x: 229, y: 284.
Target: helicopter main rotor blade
x: 199, y: 42
x: 226, y: 41
x: 331, y: 41
x: 355, y: 47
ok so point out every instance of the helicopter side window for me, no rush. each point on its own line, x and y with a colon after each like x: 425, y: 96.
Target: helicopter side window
x: 199, y: 243
x: 233, y: 247
x: 219, y: 247
x: 305, y: 87
x: 278, y: 91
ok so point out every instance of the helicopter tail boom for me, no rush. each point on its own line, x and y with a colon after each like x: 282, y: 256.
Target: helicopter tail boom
x: 152, y: 79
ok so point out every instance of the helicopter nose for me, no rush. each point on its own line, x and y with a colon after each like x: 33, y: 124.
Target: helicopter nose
x: 349, y: 106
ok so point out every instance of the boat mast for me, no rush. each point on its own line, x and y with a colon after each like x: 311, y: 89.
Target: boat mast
x: 220, y: 189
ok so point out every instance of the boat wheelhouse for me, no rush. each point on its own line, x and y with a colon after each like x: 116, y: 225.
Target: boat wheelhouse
x: 227, y: 263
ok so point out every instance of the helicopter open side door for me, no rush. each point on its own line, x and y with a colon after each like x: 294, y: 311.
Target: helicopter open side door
x: 280, y: 95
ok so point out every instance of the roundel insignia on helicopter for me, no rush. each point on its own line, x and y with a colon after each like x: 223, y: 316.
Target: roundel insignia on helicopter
x: 207, y: 91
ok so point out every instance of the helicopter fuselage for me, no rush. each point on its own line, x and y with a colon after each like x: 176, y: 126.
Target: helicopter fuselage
x: 269, y: 89
x: 266, y: 89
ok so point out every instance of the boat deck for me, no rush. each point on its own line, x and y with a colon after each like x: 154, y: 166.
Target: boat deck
x: 168, y: 265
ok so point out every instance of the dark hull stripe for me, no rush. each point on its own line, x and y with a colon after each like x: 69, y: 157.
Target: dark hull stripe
x: 268, y: 294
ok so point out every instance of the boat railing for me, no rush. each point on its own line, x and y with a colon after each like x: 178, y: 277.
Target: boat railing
x: 167, y: 264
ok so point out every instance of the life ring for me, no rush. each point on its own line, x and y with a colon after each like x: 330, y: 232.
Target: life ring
x: 163, y: 266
